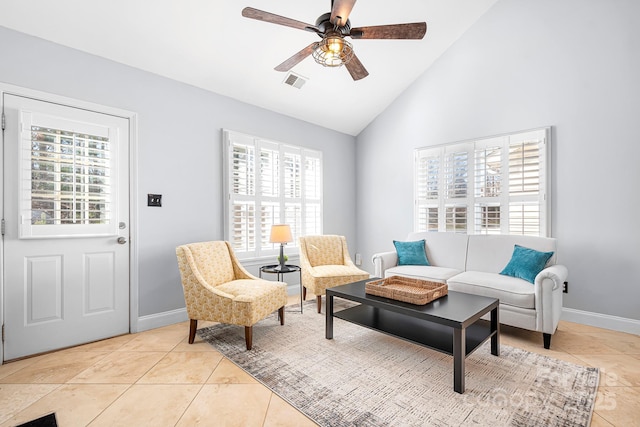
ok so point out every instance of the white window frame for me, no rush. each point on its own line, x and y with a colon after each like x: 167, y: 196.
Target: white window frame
x: 82, y: 228
x: 305, y: 205
x: 430, y: 185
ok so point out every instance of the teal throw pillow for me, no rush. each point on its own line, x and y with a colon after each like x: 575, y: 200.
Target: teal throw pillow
x: 526, y: 263
x: 411, y: 253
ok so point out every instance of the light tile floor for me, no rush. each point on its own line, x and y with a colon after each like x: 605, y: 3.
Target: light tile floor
x: 155, y: 378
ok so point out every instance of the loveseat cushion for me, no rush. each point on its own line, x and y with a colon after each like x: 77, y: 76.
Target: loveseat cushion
x: 445, y: 249
x: 424, y: 272
x: 509, y: 290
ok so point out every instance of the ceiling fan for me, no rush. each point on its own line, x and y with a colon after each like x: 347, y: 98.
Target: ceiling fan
x: 333, y: 50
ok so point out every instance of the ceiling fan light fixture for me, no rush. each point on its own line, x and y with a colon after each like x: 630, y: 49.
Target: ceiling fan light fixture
x: 333, y: 50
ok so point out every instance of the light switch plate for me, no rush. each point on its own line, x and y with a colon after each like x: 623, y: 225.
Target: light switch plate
x: 154, y: 200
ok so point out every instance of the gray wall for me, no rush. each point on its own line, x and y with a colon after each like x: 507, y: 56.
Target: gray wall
x: 572, y: 64
x: 179, y: 151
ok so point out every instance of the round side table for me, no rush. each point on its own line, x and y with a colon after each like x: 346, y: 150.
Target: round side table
x: 290, y: 268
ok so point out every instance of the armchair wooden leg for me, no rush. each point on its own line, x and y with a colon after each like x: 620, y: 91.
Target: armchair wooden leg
x: 319, y: 299
x: 304, y: 293
x: 281, y: 314
x: 248, y: 336
x: 193, y: 325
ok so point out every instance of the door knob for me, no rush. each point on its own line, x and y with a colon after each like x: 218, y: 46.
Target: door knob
x: 122, y: 240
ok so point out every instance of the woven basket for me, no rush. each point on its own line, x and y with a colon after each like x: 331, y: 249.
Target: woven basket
x: 414, y: 291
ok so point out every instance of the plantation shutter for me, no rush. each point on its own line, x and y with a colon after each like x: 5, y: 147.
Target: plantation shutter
x: 243, y: 188
x: 494, y: 185
x: 427, y: 187
x: 456, y: 180
x: 70, y: 177
x: 313, y: 196
x: 527, y: 184
x: 488, y: 186
x: 293, y: 189
x: 66, y: 186
x: 269, y: 183
x: 268, y: 197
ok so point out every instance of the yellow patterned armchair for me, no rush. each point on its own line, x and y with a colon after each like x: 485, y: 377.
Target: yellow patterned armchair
x: 217, y: 288
x: 325, y: 263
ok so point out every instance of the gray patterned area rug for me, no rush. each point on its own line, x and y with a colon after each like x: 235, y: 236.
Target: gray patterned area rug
x: 366, y: 378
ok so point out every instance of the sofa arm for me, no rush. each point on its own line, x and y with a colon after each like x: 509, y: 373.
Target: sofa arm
x: 548, y: 297
x: 382, y: 261
x: 556, y: 273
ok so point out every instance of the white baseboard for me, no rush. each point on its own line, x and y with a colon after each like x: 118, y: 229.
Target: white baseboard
x: 598, y: 320
x: 159, y: 320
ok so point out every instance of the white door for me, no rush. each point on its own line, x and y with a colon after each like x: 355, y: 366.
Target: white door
x: 66, y: 212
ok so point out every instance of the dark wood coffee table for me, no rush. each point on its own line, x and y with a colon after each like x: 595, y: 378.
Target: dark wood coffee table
x: 450, y: 324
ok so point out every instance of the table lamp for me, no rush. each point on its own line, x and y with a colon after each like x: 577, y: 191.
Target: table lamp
x: 281, y: 233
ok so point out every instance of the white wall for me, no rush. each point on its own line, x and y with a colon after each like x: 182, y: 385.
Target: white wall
x: 571, y: 64
x: 179, y: 152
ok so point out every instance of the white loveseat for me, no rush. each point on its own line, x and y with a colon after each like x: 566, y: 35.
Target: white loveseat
x: 472, y: 264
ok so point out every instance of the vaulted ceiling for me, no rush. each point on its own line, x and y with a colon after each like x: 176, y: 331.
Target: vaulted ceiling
x: 208, y: 44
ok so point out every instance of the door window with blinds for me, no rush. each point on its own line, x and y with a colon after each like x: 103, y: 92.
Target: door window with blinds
x: 269, y: 183
x: 66, y: 186
x: 495, y: 185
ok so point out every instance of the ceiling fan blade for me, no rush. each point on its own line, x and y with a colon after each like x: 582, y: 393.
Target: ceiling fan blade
x: 291, y: 62
x: 261, y: 15
x: 356, y: 69
x: 414, y: 31
x: 340, y: 11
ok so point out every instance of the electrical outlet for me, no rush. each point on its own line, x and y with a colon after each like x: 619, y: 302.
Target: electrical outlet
x: 358, y: 259
x: 154, y: 200
x: 565, y: 288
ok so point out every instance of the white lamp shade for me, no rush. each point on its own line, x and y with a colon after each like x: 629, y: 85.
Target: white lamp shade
x: 280, y: 233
